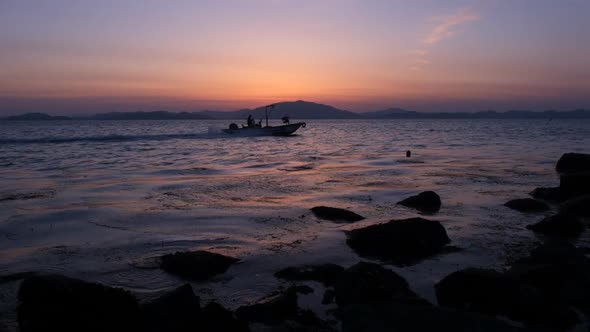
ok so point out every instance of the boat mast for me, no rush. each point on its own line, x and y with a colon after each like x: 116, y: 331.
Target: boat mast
x: 267, y: 112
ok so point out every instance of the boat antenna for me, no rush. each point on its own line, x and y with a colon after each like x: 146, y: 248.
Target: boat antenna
x: 267, y: 112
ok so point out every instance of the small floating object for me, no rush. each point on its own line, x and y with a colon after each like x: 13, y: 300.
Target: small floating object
x: 408, y: 154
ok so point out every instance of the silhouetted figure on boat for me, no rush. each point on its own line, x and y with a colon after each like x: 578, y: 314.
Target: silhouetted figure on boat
x: 286, y: 119
x: 250, y: 121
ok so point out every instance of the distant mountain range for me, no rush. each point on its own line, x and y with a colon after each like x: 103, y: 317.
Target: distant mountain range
x: 308, y: 110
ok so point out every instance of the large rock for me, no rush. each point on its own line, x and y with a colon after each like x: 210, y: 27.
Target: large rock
x: 494, y: 293
x: 575, y: 184
x: 273, y: 308
x: 58, y: 303
x: 366, y: 282
x: 402, y: 242
x: 548, y: 194
x: 573, y: 162
x: 196, y: 265
x: 177, y: 310
x: 214, y: 317
x: 427, y: 201
x: 335, y: 214
x: 411, y: 318
x: 559, y: 224
x: 325, y: 273
x: 527, y: 205
x: 578, y: 206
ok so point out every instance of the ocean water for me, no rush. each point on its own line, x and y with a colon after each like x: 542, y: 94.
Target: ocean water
x: 101, y: 200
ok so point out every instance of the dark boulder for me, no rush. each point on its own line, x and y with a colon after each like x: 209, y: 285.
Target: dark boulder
x: 527, y: 205
x: 548, y: 194
x: 559, y: 224
x: 214, y: 317
x: 371, y: 283
x: 177, y: 310
x: 578, y: 206
x: 494, y: 293
x: 58, y: 303
x: 325, y: 273
x: 427, y: 201
x: 196, y: 265
x: 273, y: 308
x: 573, y: 162
x: 401, y: 242
x: 411, y: 318
x: 575, y: 184
x: 335, y: 214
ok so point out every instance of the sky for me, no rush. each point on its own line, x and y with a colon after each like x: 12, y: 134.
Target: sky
x: 79, y: 56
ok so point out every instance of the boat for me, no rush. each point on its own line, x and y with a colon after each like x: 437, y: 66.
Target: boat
x: 253, y: 129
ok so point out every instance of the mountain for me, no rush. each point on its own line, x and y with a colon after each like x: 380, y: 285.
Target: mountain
x: 390, y: 112
x: 35, y: 117
x: 295, y: 109
x: 156, y: 115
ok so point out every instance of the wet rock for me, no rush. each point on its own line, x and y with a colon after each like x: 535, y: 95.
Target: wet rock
x: 371, y: 283
x: 214, y: 317
x: 427, y: 201
x: 411, y: 318
x: 328, y: 297
x: 325, y: 273
x: 335, y: 214
x: 559, y: 225
x: 196, y: 265
x: 573, y: 162
x: 402, y: 242
x: 494, y: 293
x: 578, y: 206
x: 274, y: 308
x: 548, y: 193
x: 58, y: 303
x: 575, y: 184
x: 527, y: 205
x: 177, y: 310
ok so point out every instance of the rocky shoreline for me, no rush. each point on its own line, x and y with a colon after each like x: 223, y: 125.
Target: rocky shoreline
x: 547, y: 291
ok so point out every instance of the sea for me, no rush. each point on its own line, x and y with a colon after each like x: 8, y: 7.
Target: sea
x: 102, y: 200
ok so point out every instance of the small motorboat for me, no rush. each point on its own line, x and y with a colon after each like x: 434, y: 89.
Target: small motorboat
x: 253, y: 129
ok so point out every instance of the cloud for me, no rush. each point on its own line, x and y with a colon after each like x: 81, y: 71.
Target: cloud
x: 445, y: 28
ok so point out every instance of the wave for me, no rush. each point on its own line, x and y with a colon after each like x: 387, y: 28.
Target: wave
x: 110, y: 138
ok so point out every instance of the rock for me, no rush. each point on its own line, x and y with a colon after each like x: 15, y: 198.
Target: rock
x: 548, y: 194
x: 58, y: 303
x: 575, y: 184
x: 214, y: 317
x: 177, y: 310
x: 335, y: 214
x: 411, y: 318
x: 427, y: 201
x: 273, y: 308
x: 573, y: 162
x: 494, y: 293
x: 401, y: 242
x: 527, y: 205
x: 196, y: 265
x: 371, y: 283
x: 578, y: 206
x: 328, y: 297
x: 559, y: 224
x: 325, y: 273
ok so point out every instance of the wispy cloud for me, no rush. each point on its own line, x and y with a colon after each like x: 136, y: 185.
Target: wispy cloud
x: 445, y: 28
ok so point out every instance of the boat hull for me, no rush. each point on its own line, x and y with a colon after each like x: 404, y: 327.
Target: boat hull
x: 284, y: 130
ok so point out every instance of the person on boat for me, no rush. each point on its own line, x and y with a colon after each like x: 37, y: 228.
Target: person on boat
x: 250, y: 121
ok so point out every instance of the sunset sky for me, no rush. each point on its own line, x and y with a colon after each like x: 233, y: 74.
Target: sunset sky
x: 75, y: 57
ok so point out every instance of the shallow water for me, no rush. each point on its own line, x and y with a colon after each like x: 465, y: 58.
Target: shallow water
x: 99, y: 200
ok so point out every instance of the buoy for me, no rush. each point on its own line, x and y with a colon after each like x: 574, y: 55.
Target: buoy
x: 408, y: 154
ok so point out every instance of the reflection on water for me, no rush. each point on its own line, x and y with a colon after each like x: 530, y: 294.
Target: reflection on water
x: 125, y: 192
